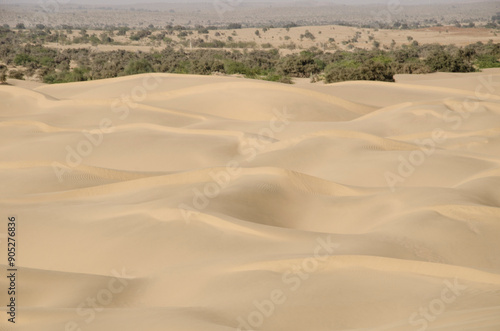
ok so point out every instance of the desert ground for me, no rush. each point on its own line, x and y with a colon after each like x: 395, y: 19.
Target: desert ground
x: 292, y: 40
x: 187, y: 203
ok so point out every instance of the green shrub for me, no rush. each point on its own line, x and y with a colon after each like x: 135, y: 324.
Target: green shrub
x: 24, y: 49
x: 22, y: 59
x: 278, y: 78
x: 384, y: 59
x: 46, y: 61
x: 487, y: 61
x: 352, y: 70
x: 299, y: 65
x: 440, y: 60
x: 232, y: 67
x: 138, y: 67
x: 76, y: 75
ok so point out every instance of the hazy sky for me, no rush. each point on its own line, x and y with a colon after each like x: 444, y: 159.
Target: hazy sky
x: 354, y: 2
x: 275, y: 1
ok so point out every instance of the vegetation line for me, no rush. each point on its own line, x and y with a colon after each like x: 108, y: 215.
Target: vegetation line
x: 30, y: 58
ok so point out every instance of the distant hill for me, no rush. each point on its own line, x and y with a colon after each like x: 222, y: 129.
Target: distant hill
x: 341, y: 2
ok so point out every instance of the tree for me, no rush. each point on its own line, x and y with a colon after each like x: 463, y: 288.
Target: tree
x: 22, y: 59
x: 353, y: 70
x: 496, y: 17
x: 105, y: 38
x: 140, y: 34
x: 308, y: 35
x: 20, y: 26
x: 234, y: 26
x: 487, y: 61
x: 299, y: 65
x: 122, y: 31
x: 16, y: 74
x: 138, y: 67
x: 440, y: 60
x: 3, y: 74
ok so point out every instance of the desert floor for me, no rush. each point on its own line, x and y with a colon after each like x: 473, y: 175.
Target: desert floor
x: 187, y: 203
x: 330, y: 37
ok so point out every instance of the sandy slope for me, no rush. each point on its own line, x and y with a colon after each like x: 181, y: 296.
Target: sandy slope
x: 212, y: 203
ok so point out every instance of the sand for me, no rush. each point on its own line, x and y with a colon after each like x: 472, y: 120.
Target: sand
x: 327, y: 37
x: 187, y: 203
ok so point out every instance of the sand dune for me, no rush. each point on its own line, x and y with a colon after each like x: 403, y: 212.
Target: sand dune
x: 170, y: 202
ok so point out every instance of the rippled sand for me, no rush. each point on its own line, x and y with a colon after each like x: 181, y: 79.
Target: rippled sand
x: 169, y: 202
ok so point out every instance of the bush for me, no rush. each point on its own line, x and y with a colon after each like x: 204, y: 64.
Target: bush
x: 308, y: 35
x: 232, y: 67
x: 352, y: 70
x: 24, y: 49
x: 22, y: 59
x: 77, y: 75
x: 487, y: 61
x: 496, y: 17
x: 122, y: 31
x: 234, y: 26
x: 212, y: 44
x: 290, y: 25
x: 46, y: 61
x: 16, y: 74
x: 206, y: 66
x: 278, y: 78
x: 138, y: 67
x: 3, y: 74
x: 302, y: 65
x: 139, y: 35
x: 415, y: 67
x: 440, y: 60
